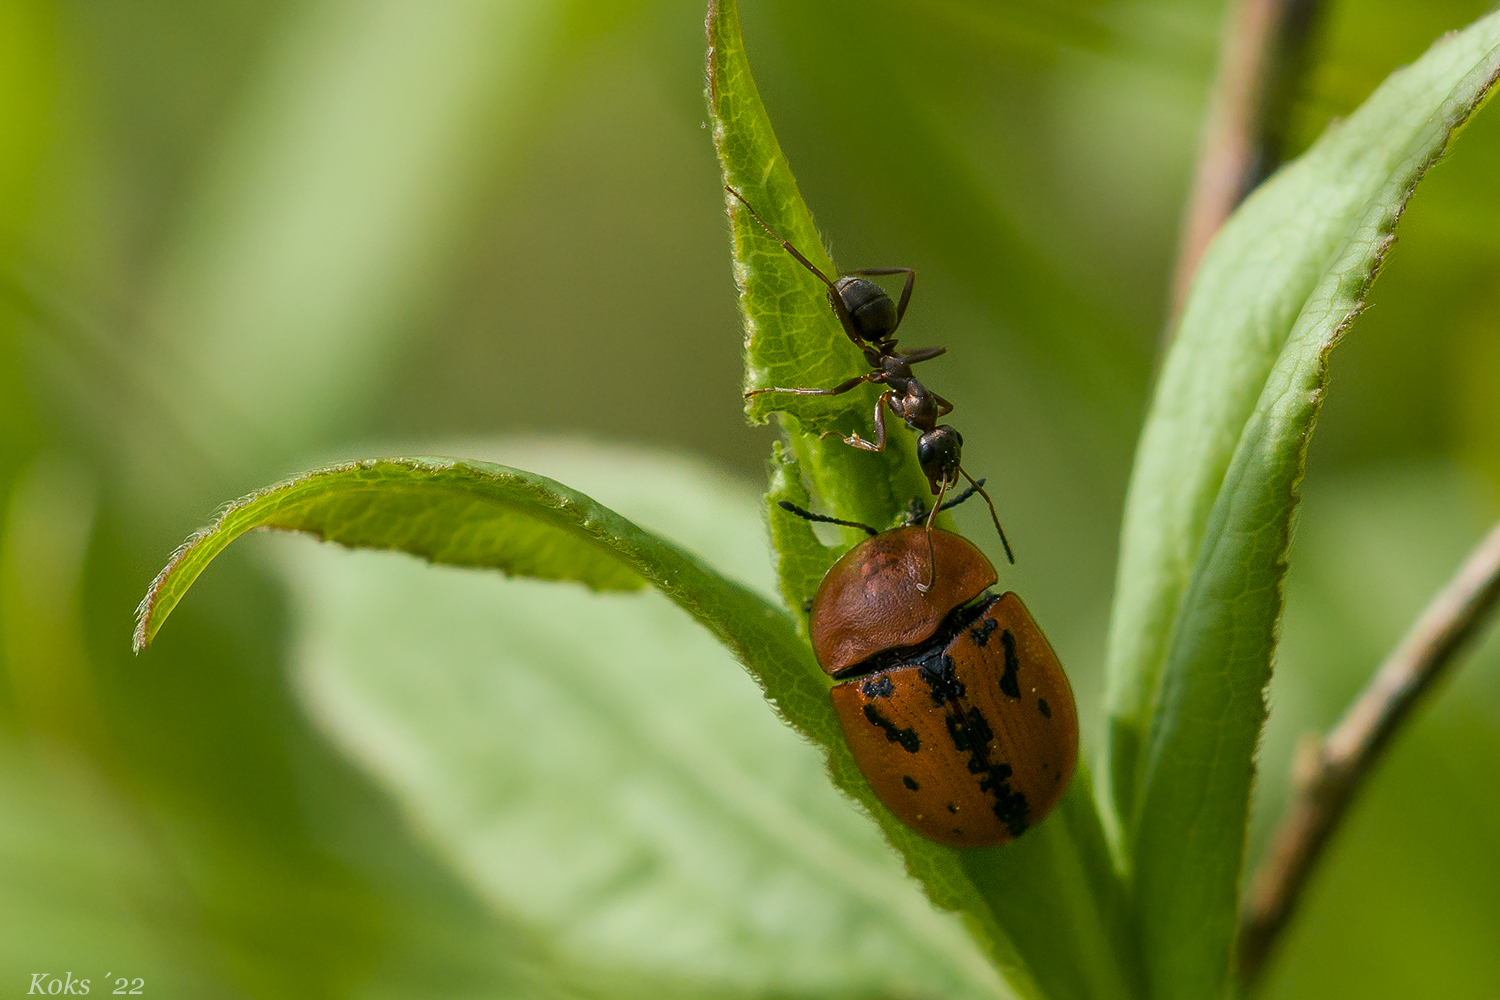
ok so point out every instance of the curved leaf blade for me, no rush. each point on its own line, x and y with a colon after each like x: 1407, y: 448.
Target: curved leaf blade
x: 470, y: 513
x: 1215, y: 486
x: 467, y: 513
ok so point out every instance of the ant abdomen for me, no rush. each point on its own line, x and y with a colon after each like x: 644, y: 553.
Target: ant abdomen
x: 870, y: 308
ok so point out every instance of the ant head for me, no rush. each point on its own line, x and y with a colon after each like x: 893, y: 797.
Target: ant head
x: 940, y: 452
x: 870, y: 308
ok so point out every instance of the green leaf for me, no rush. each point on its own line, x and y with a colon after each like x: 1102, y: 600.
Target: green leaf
x: 600, y: 772
x: 1075, y: 945
x: 447, y: 511
x: 477, y: 514
x: 1059, y: 880
x: 793, y: 339
x: 1215, y: 485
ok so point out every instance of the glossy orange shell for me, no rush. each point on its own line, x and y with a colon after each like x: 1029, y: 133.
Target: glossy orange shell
x: 975, y: 743
x: 869, y: 601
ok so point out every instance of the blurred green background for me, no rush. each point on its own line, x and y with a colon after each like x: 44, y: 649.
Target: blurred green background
x: 240, y: 239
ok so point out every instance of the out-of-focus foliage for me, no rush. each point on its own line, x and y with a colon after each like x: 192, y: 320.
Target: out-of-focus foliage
x: 242, y: 237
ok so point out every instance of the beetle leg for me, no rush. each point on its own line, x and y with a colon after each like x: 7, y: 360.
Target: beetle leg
x: 979, y: 488
x: 879, y: 443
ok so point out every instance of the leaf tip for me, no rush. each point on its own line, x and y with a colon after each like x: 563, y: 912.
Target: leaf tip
x: 140, y: 639
x: 152, y: 610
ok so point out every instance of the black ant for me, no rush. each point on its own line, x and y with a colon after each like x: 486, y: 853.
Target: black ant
x: 870, y: 319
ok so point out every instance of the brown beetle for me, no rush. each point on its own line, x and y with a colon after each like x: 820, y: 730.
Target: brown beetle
x: 952, y: 701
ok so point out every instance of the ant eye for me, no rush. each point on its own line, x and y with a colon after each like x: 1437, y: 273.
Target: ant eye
x: 940, y: 449
x: 926, y: 452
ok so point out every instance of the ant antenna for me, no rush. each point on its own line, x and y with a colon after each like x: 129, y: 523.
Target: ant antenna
x: 808, y: 515
x: 978, y: 487
x: 785, y: 245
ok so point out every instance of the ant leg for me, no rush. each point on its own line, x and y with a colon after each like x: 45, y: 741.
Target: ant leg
x: 777, y: 237
x: 837, y: 300
x: 922, y: 354
x: 911, y: 279
x: 931, y: 553
x: 979, y: 488
x: 943, y: 407
x: 854, y: 440
x: 837, y: 390
x: 808, y: 515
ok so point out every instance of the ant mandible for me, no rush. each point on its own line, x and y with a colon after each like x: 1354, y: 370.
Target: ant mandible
x: 870, y: 319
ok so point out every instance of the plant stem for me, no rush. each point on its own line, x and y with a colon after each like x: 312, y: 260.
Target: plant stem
x: 1263, y: 56
x: 1329, y: 773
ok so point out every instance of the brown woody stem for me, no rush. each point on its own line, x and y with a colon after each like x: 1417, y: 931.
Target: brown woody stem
x: 1263, y: 56
x: 1330, y: 772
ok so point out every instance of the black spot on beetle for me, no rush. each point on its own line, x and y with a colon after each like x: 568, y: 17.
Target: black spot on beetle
x: 957, y: 832
x: 981, y: 633
x: 878, y: 687
x: 971, y: 734
x: 906, y: 737
x: 942, y: 680
x: 952, y: 808
x: 1011, y: 808
x: 1044, y: 708
x: 910, y: 782
x: 1008, y: 682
